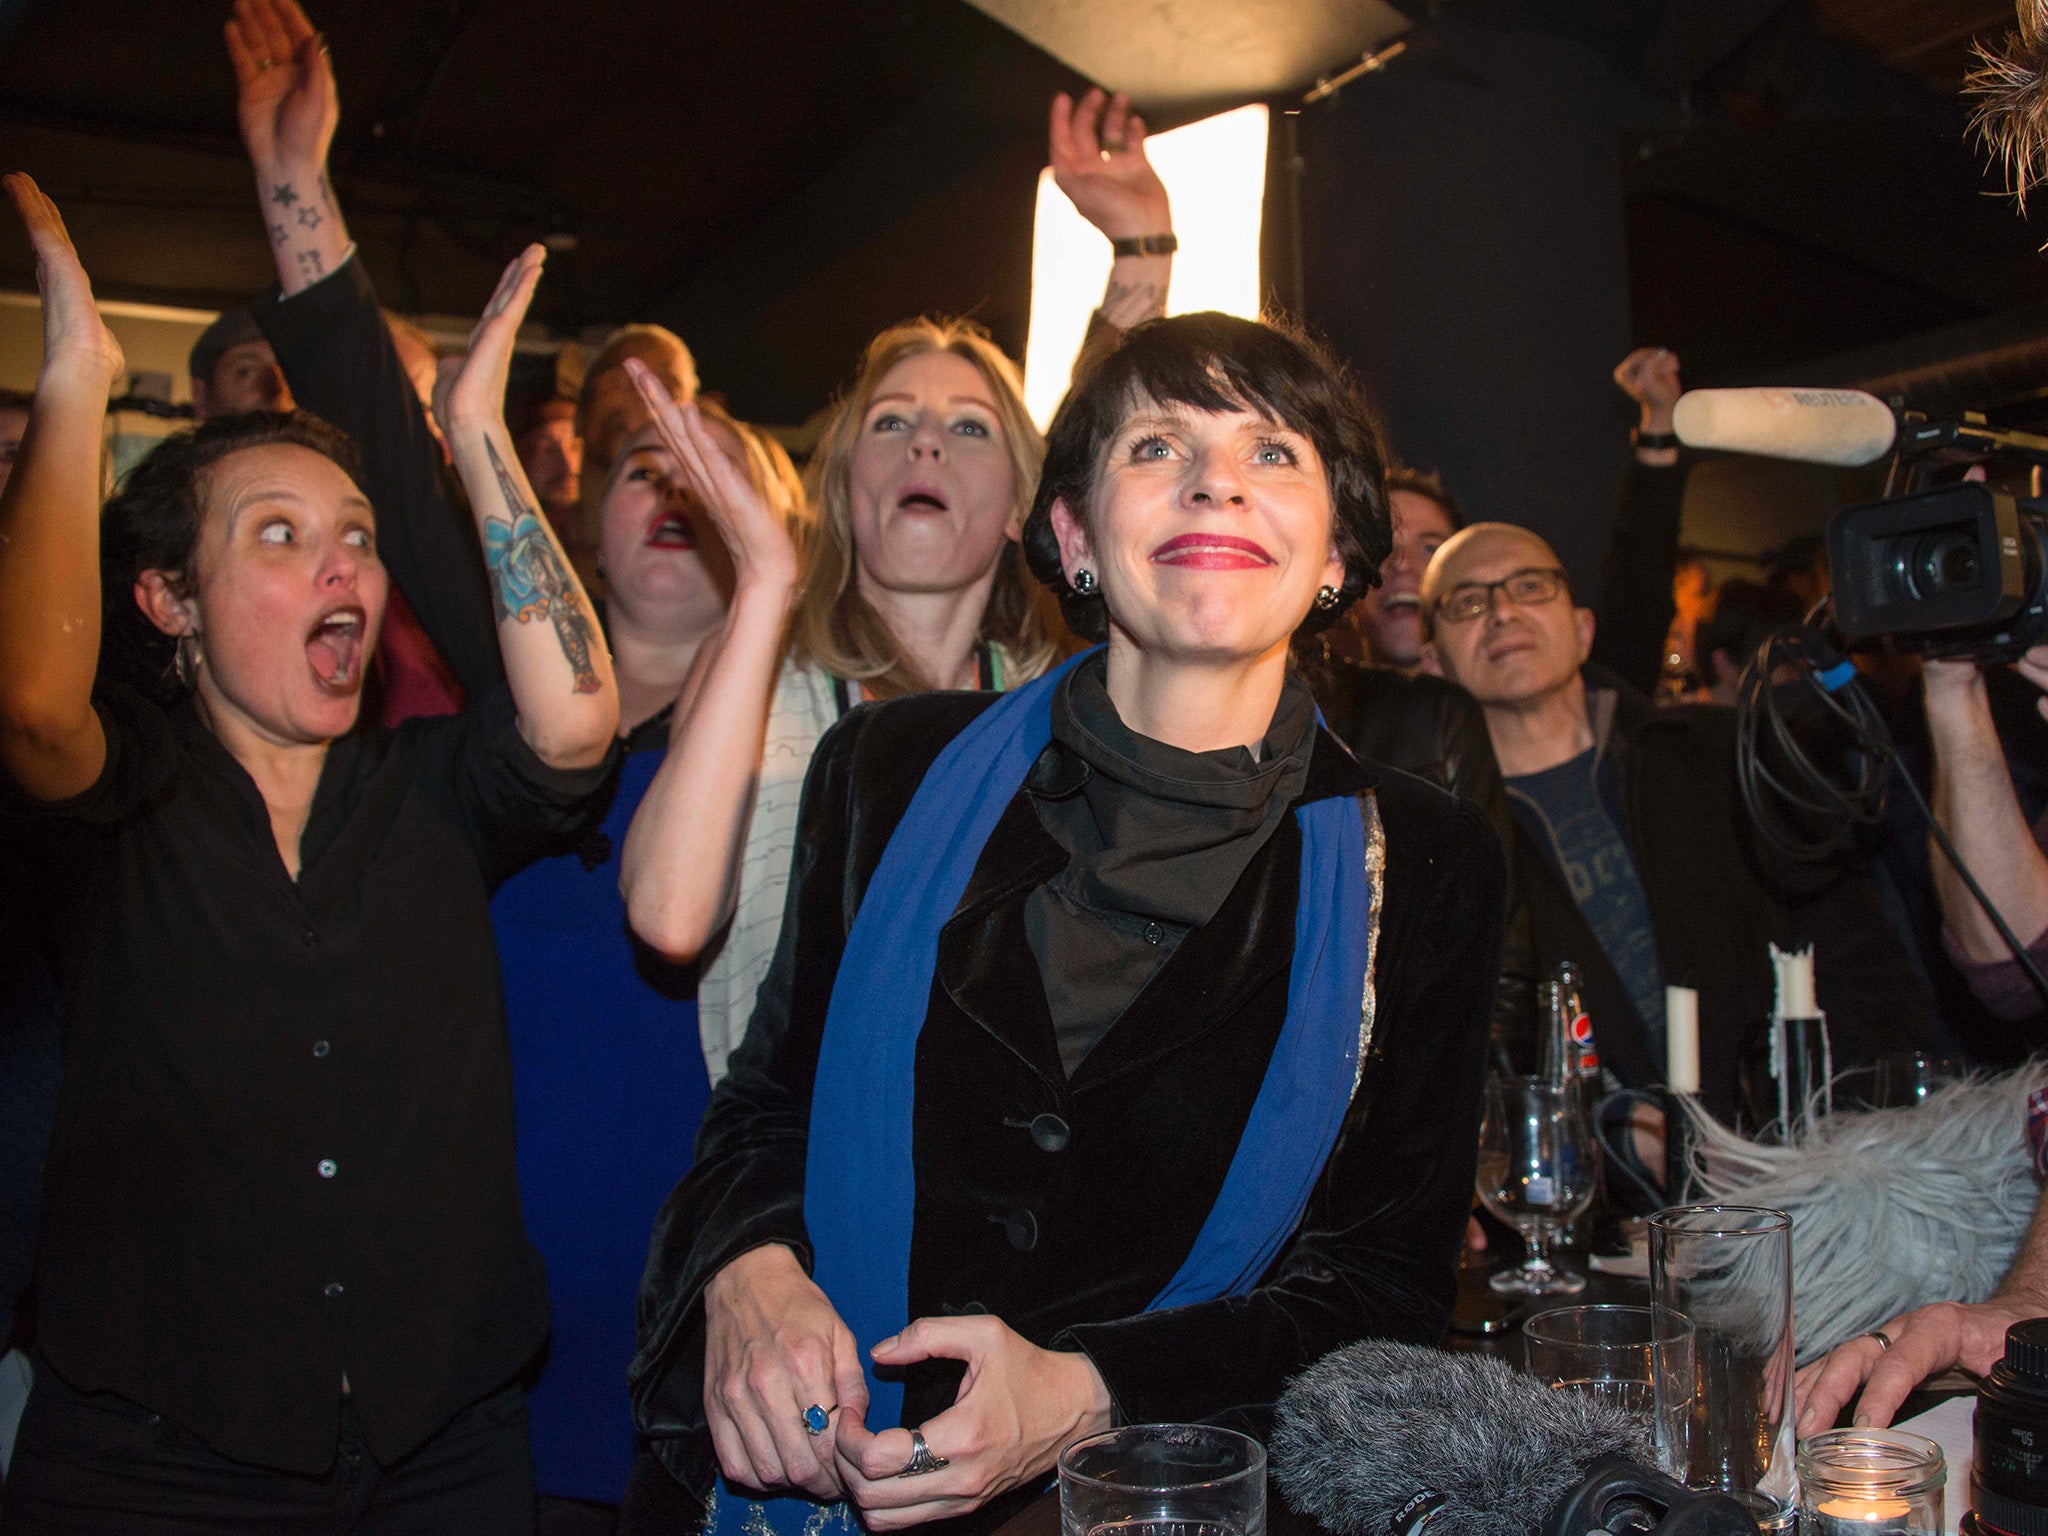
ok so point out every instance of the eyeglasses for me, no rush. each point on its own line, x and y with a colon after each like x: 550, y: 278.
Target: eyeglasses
x: 1474, y: 599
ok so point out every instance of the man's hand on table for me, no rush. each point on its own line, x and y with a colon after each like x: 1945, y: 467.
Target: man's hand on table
x: 1924, y: 1343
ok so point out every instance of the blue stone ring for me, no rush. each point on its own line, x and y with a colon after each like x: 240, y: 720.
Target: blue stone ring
x: 816, y: 1420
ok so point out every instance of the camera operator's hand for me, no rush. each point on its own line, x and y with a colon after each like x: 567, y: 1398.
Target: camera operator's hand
x: 2034, y: 668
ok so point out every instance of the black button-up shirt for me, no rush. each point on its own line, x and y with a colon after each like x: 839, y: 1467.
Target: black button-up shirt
x: 283, y: 1149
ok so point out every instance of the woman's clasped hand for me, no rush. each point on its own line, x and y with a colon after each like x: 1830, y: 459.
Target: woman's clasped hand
x: 775, y: 1347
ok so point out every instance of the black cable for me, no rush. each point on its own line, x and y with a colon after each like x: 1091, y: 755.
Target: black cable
x: 1799, y: 807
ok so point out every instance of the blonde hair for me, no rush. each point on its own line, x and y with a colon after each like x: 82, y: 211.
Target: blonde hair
x: 834, y: 626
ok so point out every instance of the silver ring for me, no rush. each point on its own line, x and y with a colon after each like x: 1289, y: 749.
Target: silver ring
x: 1884, y: 1340
x: 921, y: 1458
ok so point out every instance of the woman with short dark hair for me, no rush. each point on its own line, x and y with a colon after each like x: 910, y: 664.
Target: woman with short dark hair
x: 1124, y: 1045
x: 282, y: 1272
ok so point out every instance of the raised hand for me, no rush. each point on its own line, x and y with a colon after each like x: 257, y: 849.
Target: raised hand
x: 1649, y: 376
x: 773, y: 1349
x: 1098, y: 160
x: 755, y: 537
x: 477, y: 397
x: 284, y: 85
x: 76, y: 342
x: 288, y: 105
x: 1018, y: 1406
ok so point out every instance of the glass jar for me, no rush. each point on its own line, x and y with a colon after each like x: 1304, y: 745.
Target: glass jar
x: 1853, y: 1481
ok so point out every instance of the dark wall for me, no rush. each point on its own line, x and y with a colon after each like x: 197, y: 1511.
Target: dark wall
x: 1464, y: 245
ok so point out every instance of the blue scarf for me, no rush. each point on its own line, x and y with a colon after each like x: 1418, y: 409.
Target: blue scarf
x: 859, y: 1185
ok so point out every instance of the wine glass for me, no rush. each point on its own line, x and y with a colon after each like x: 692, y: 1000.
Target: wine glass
x: 1536, y: 1173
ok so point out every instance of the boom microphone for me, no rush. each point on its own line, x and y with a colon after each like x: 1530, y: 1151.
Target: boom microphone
x: 1384, y: 1439
x: 1820, y: 426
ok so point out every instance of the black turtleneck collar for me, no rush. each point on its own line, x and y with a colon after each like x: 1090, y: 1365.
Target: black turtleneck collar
x: 1156, y: 837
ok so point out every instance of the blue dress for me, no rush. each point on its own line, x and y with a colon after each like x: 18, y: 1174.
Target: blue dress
x: 609, y: 1085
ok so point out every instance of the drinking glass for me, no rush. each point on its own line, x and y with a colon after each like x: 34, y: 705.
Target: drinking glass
x: 1536, y: 1173
x: 1727, y: 1270
x: 1163, y: 1480
x: 1639, y: 1359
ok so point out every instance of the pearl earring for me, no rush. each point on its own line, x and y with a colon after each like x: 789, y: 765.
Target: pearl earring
x: 1084, y: 581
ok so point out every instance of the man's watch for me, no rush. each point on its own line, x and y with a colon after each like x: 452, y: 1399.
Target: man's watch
x: 1146, y: 245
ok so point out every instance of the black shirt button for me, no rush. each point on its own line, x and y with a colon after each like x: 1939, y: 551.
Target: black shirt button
x: 321, y: 1048
x: 1049, y: 1133
x: 1154, y: 933
x: 1021, y: 1228
x: 331, y: 1289
x: 328, y: 1169
x: 310, y: 937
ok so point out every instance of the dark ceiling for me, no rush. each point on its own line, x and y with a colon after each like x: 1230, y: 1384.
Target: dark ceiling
x: 778, y: 178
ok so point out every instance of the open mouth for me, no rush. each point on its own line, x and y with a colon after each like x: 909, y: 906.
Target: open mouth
x: 335, y: 647
x: 1401, y: 602
x: 671, y: 530
x: 1212, y: 552
x: 920, y: 498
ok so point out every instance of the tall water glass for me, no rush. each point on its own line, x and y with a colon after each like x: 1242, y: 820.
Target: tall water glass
x: 1638, y: 1359
x: 1727, y: 1270
x: 1537, y: 1172
x: 1163, y: 1480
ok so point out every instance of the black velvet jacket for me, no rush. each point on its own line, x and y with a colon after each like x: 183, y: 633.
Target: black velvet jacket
x: 1063, y: 1206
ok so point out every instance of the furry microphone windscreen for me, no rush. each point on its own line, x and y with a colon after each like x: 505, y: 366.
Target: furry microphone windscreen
x: 1891, y: 1208
x: 2011, y: 87
x: 1365, y: 1429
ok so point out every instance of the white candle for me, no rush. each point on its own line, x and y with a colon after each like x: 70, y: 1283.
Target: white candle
x: 1682, y: 1039
x: 1795, y: 983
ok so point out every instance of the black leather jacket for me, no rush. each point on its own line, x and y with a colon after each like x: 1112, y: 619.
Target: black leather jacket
x: 1436, y: 731
x: 1067, y: 1237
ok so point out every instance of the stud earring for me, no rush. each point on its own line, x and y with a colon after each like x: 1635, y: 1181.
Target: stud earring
x: 1326, y: 598
x: 1084, y: 581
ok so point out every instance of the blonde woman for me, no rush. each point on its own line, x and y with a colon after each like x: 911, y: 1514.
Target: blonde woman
x: 915, y: 581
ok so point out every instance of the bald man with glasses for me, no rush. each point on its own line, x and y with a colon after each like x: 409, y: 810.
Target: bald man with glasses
x: 1632, y: 848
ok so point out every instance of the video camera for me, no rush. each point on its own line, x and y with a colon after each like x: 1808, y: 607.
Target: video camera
x: 1942, y: 570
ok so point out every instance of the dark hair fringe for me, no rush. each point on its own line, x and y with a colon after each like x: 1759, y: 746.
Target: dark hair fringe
x: 1428, y: 484
x: 152, y: 524
x: 1216, y: 362
x: 2010, y: 84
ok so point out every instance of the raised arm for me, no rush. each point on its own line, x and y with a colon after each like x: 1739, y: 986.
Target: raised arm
x: 1976, y: 804
x: 1635, y: 606
x: 679, y: 871
x: 51, y: 742
x: 555, y: 656
x: 288, y: 107
x: 1097, y: 147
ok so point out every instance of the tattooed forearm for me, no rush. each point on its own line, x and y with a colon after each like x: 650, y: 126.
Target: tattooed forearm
x: 1128, y: 304
x: 310, y: 264
x: 528, y: 578
x: 284, y: 194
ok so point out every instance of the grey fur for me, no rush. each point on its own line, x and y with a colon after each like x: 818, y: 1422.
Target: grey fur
x: 1891, y: 1209
x: 1365, y: 1428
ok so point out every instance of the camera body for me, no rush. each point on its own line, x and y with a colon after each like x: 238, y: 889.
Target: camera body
x: 1960, y: 570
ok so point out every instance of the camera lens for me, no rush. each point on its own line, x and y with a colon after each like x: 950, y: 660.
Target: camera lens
x: 2009, y: 1473
x: 1945, y: 561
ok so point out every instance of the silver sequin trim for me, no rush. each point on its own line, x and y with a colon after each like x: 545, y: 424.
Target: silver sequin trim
x: 1376, y: 879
